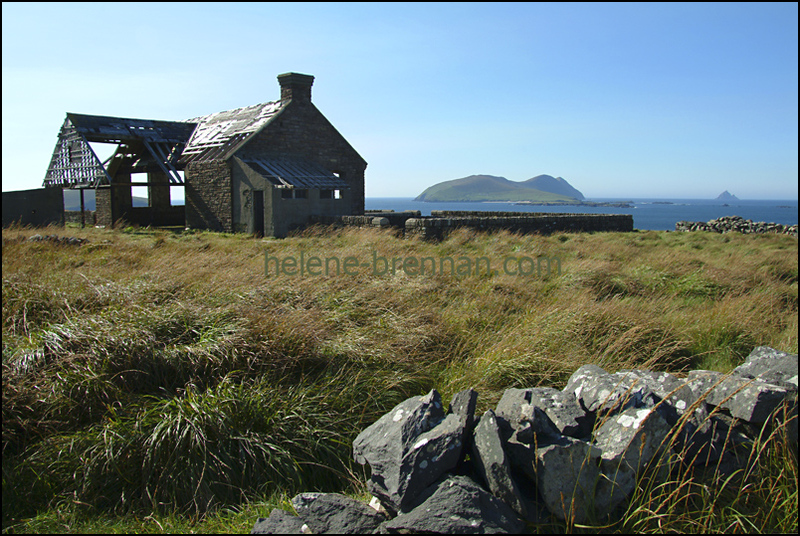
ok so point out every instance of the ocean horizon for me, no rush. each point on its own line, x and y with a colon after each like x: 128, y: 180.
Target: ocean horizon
x: 649, y: 214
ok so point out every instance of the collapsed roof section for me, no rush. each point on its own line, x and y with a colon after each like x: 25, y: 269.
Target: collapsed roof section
x: 120, y: 130
x: 219, y: 135
x: 169, y: 146
x: 142, y: 145
x: 74, y: 163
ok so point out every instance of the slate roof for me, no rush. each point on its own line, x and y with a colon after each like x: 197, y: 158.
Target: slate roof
x: 290, y: 172
x: 218, y: 135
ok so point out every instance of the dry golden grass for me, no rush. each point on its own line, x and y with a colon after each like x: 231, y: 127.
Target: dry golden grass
x: 137, y: 327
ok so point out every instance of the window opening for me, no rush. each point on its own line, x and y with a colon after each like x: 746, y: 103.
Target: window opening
x: 139, y: 194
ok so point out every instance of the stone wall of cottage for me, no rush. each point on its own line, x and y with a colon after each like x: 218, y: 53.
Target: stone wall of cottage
x: 209, y: 196
x: 40, y: 206
x: 300, y: 130
x: 74, y: 216
x: 102, y: 200
x: 113, y: 203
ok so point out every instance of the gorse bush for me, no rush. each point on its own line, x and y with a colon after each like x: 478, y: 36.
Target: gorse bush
x: 147, y: 373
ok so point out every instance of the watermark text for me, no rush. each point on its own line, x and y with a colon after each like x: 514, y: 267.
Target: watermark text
x: 311, y: 265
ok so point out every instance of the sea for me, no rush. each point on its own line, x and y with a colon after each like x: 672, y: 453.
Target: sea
x: 648, y: 214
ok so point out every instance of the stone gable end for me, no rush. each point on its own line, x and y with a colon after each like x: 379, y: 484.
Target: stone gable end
x: 301, y: 130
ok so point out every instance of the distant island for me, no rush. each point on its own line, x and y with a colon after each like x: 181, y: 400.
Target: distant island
x: 539, y: 190
x: 727, y: 196
x: 618, y: 204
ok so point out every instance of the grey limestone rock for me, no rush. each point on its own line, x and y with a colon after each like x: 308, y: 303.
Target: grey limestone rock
x: 563, y: 410
x: 491, y: 463
x: 529, y: 427
x: 629, y: 441
x: 519, y: 419
x: 602, y: 393
x: 409, y: 448
x: 333, y: 513
x: 527, y: 456
x: 770, y: 366
x: 463, y: 405
x: 702, y: 435
x: 674, y: 396
x: 457, y: 505
x: 583, y: 372
x: 568, y: 472
x: 278, y: 522
x: 727, y: 224
x: 751, y: 400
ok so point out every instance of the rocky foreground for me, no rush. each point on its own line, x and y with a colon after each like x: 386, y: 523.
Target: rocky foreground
x: 542, y: 453
x: 727, y: 224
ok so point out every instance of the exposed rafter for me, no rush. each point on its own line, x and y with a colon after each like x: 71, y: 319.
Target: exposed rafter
x: 143, y: 145
x: 74, y: 163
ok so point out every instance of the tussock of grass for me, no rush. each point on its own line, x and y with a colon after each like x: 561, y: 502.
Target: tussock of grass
x: 162, y: 377
x: 204, y: 448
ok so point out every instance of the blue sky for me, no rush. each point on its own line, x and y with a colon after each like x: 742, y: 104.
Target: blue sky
x: 622, y: 100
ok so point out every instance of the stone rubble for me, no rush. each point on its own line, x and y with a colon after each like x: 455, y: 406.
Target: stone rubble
x: 727, y: 224
x: 574, y: 454
x: 63, y: 240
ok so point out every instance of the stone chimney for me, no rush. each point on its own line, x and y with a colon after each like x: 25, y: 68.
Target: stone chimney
x: 295, y: 86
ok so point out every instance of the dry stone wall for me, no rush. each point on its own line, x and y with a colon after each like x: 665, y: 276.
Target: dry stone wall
x: 543, y: 453
x: 440, y: 223
x: 437, y: 227
x: 369, y: 219
x: 727, y: 224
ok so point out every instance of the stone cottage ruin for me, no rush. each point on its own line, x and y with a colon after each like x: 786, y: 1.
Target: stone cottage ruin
x: 263, y: 169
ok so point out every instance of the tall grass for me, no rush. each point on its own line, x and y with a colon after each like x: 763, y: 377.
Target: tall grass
x: 756, y: 494
x: 160, y: 374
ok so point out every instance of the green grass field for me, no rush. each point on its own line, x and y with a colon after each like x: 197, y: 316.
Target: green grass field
x: 161, y: 382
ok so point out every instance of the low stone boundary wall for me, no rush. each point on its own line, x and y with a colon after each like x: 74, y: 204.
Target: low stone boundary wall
x: 74, y: 216
x: 442, y: 222
x: 727, y: 224
x: 369, y: 219
x: 437, y: 228
x: 485, y: 213
x: 541, y: 453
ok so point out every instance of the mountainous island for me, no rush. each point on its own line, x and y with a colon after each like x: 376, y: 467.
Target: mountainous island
x: 727, y: 196
x: 539, y: 190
